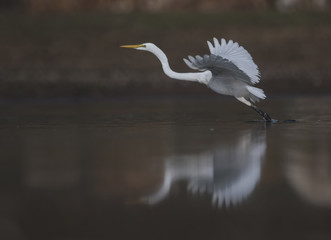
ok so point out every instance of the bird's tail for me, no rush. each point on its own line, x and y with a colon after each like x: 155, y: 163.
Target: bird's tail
x: 256, y: 93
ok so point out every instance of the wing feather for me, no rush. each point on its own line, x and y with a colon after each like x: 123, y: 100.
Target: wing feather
x: 189, y: 64
x: 210, y: 46
x: 238, y: 55
x: 199, y: 58
x: 192, y: 59
x: 218, y: 66
x: 222, y: 56
x: 206, y: 59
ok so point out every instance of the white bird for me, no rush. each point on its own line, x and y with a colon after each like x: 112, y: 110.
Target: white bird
x: 229, y: 69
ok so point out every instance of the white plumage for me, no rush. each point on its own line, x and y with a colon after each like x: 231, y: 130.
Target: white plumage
x: 237, y: 55
x: 228, y: 70
x: 256, y: 91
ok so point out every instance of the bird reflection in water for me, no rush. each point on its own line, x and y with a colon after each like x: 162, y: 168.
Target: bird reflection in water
x: 228, y: 172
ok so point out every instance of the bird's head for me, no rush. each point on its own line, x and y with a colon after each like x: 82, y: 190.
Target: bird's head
x: 144, y: 46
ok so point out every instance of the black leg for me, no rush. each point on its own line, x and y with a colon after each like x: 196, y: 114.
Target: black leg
x: 263, y: 114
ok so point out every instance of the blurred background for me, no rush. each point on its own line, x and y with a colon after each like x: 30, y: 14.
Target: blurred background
x: 68, y: 48
x: 97, y: 143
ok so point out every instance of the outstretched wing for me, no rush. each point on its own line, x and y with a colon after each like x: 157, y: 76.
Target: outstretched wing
x: 220, y: 67
x: 227, y: 58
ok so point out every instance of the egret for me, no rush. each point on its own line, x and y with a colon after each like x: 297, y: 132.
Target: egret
x: 229, y: 70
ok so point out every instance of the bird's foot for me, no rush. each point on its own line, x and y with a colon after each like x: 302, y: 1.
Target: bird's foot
x: 265, y: 115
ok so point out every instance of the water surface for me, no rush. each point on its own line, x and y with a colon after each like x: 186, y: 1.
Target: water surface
x: 165, y: 168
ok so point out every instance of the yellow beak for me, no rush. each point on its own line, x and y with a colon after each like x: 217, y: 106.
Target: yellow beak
x: 132, y: 46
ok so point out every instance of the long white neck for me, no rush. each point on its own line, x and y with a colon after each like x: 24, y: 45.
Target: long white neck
x: 169, y: 72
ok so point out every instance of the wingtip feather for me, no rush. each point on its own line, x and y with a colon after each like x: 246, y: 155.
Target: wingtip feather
x: 210, y: 46
x: 191, y: 58
x: 190, y: 64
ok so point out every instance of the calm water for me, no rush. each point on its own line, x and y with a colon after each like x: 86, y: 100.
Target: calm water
x: 165, y: 168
